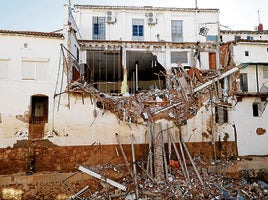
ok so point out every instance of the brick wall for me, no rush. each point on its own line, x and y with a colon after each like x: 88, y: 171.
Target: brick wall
x: 46, y: 157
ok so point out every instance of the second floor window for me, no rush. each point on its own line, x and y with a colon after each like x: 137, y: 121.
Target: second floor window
x: 244, y: 82
x: 98, y: 28
x: 176, y: 30
x: 138, y: 29
x: 34, y: 70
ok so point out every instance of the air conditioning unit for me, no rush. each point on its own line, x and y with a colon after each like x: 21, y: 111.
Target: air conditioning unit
x: 203, y: 31
x: 151, y: 18
x: 110, y: 17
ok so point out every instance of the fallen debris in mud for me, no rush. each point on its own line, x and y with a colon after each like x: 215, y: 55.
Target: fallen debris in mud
x: 216, y: 187
x: 159, y: 176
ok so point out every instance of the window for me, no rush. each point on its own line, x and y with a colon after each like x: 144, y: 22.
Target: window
x: 249, y: 38
x: 221, y: 114
x: 179, y: 57
x: 98, y: 28
x: 256, y: 108
x: 34, y: 70
x: 3, y: 69
x: 267, y: 49
x: 39, y: 109
x: 237, y: 37
x: 176, y: 30
x: 265, y: 72
x: 246, y: 53
x: 244, y: 82
x: 213, y: 38
x: 137, y: 29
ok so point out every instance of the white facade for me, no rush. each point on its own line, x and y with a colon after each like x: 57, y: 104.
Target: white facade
x: 29, y: 63
x: 250, y: 52
x: 228, y: 35
x: 74, y: 119
x: 196, y: 25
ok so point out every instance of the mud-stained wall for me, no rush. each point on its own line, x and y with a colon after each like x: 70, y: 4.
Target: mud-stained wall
x: 43, y: 156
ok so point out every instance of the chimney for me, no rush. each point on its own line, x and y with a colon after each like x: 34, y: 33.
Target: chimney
x: 260, y: 27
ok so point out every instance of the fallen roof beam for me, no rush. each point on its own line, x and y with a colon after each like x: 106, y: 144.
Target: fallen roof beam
x: 216, y: 79
x: 106, y: 180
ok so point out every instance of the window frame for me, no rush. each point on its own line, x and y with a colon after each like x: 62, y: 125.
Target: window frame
x: 244, y: 82
x: 177, y: 30
x: 137, y: 29
x: 98, y: 28
x: 37, y: 69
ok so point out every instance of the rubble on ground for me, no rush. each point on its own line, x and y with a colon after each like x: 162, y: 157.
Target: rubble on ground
x: 216, y: 186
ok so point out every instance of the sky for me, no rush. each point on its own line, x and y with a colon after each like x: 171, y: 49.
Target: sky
x: 47, y: 15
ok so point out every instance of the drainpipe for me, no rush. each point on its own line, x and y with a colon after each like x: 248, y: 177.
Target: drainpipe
x: 257, y: 79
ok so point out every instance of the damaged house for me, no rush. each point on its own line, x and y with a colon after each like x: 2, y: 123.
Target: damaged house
x: 249, y: 50
x: 118, y: 77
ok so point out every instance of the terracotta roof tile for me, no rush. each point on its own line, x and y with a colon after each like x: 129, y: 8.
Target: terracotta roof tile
x: 32, y: 33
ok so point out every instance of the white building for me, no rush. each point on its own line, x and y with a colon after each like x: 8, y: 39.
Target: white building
x: 250, y: 115
x: 28, y: 64
x: 146, y: 37
x: 118, y: 50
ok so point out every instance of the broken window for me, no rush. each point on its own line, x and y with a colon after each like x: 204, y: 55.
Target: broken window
x: 137, y: 29
x: 3, y: 69
x: 98, y: 28
x: 144, y: 72
x: 179, y: 57
x: 39, y: 109
x: 246, y: 53
x: 244, y: 82
x: 177, y: 30
x: 103, y: 68
x: 34, y: 70
x: 221, y: 114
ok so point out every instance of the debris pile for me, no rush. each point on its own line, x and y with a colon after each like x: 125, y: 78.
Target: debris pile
x: 216, y: 187
x: 178, y: 102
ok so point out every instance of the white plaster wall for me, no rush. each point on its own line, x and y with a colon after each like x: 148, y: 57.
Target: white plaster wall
x: 230, y: 37
x: 78, y: 126
x: 251, y: 75
x: 15, y: 92
x: 257, y: 52
x: 201, y: 123
x: 122, y: 29
x: 249, y: 143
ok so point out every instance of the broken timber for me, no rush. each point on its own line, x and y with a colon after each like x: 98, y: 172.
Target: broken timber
x: 106, y: 180
x: 216, y: 79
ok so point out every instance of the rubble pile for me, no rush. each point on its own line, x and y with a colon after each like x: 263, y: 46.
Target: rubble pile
x: 176, y: 103
x: 216, y: 187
